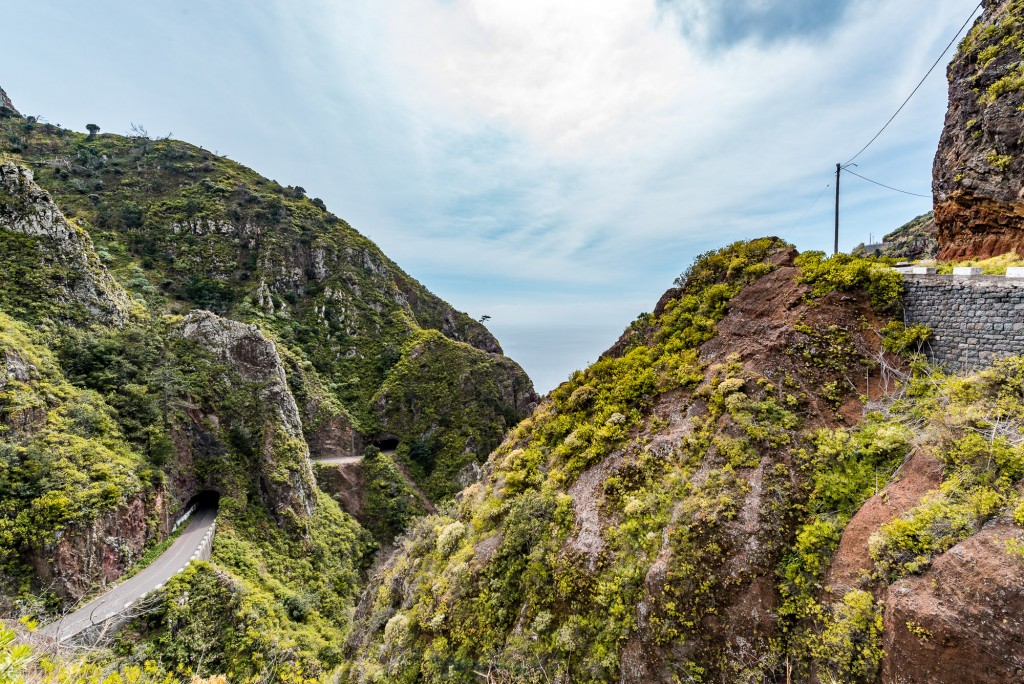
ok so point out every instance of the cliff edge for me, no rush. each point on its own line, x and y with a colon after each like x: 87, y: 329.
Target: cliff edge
x: 979, y: 196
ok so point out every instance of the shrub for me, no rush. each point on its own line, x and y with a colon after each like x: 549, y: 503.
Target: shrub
x: 845, y: 273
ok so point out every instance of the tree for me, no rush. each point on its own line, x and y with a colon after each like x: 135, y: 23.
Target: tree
x: 485, y: 318
x: 93, y: 130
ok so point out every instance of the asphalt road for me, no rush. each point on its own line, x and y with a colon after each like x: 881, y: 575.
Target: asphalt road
x: 340, y: 460
x: 150, y: 578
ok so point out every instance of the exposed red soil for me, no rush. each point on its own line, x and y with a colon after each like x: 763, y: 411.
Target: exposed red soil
x: 760, y: 332
x: 978, y: 228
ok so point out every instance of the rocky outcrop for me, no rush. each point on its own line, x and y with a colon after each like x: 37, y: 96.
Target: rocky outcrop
x: 87, y: 557
x: 284, y: 471
x: 668, y: 546
x: 6, y: 106
x: 851, y: 565
x: 329, y: 429
x: 451, y: 404
x: 346, y: 482
x: 979, y: 166
x: 962, y: 620
x: 65, y: 266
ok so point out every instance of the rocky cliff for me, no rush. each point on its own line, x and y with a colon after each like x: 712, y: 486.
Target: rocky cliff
x: 281, y: 455
x: 912, y: 241
x: 978, y: 178
x: 50, y: 266
x: 6, y: 104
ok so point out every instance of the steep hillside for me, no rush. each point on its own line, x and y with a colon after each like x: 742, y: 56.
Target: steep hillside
x: 912, y: 241
x: 668, y: 514
x: 182, y: 228
x: 174, y: 327
x: 979, y: 165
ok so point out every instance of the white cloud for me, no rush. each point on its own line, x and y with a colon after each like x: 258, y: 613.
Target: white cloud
x: 515, y: 153
x: 587, y: 144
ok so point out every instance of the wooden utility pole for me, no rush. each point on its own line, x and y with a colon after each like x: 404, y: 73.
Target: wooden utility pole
x: 835, y: 249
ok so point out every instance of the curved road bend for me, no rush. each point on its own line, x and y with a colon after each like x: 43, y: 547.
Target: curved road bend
x: 152, y: 577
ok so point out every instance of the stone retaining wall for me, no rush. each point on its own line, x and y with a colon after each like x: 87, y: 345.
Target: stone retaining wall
x: 974, y: 320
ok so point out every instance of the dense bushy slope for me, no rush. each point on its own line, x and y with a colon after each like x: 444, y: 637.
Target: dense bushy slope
x: 670, y: 513
x: 180, y: 228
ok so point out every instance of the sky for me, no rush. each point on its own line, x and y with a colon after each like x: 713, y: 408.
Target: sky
x: 552, y: 165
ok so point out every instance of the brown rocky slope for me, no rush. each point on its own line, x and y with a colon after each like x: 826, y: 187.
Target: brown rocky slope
x: 979, y: 165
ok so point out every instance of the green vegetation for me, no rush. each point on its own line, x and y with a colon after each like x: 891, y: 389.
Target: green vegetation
x: 390, y: 504
x: 977, y: 424
x: 844, y: 468
x: 845, y: 273
x: 629, y: 522
x: 505, y: 580
x: 65, y: 460
x: 180, y: 228
x: 1001, y: 40
x: 510, y: 578
x: 268, y: 601
x: 105, y: 416
x: 474, y: 397
x: 996, y: 265
x: 1000, y: 161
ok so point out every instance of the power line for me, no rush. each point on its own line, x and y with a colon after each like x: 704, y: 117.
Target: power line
x: 905, y: 192
x: 804, y: 215
x: 893, y: 117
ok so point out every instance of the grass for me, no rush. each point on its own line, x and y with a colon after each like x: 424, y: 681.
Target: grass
x: 996, y: 265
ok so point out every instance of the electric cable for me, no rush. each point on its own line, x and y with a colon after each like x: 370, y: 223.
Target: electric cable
x: 889, y: 187
x: 893, y: 117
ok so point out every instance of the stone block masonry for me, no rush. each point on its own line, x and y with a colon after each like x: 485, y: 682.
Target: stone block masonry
x: 974, y: 320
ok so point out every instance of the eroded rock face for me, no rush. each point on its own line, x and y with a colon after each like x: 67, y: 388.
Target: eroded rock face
x: 77, y: 279
x: 979, y: 166
x: 346, y: 482
x: 285, y: 474
x: 92, y: 556
x: 5, y: 103
x: 962, y: 620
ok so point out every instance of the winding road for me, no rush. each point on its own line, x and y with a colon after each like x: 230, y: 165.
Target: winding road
x: 122, y: 596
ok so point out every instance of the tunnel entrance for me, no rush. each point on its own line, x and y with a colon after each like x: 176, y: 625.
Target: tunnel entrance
x: 386, y: 443
x: 206, y: 500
